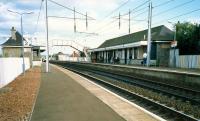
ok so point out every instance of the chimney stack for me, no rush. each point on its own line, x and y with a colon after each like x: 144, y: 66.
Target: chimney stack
x: 13, y: 31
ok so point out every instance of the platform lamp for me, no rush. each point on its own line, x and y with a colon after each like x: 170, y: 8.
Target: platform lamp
x: 21, y: 14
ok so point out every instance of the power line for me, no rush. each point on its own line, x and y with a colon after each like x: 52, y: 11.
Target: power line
x: 117, y: 8
x: 64, y: 17
x: 124, y: 14
x: 111, y: 14
x: 70, y: 9
x: 142, y: 13
x: 106, y: 25
x: 110, y: 28
x: 184, y: 14
x: 130, y: 11
x: 179, y: 15
x: 38, y: 16
x: 136, y: 8
x: 88, y: 33
x: 164, y: 3
x: 175, y: 7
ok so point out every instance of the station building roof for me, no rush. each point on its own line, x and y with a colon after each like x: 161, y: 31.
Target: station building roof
x: 12, y: 42
x: 159, y: 33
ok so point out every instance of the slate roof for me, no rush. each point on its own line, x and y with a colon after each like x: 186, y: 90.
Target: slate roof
x: 159, y: 33
x: 12, y: 42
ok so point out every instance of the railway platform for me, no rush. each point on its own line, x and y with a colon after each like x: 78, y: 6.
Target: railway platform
x: 66, y: 96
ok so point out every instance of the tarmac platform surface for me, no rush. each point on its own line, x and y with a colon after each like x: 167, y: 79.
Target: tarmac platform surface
x: 64, y: 96
x: 60, y: 98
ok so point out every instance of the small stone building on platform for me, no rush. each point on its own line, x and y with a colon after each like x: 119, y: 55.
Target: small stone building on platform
x: 13, y: 46
x: 129, y: 49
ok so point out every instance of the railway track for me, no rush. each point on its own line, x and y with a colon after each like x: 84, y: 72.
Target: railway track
x: 149, y: 104
x: 184, y: 94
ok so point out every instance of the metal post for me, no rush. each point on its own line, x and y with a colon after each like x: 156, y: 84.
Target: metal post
x: 47, y: 43
x: 74, y: 20
x: 129, y: 22
x: 119, y: 20
x: 23, y: 65
x: 149, y: 34
x: 175, y: 47
x: 31, y: 52
x: 21, y: 14
x: 86, y: 21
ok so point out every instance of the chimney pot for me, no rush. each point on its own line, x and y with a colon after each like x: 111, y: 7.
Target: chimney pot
x: 13, y: 31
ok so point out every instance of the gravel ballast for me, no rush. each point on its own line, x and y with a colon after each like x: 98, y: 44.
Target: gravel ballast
x: 18, y: 97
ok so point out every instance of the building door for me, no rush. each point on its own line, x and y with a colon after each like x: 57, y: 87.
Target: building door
x: 135, y: 53
x: 125, y: 55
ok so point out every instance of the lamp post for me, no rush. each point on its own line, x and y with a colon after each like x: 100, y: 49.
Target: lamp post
x: 174, y: 46
x: 21, y: 14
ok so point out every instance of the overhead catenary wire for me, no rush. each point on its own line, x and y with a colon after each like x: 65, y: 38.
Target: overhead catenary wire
x: 164, y: 3
x: 107, y: 25
x: 130, y: 11
x: 113, y: 11
x: 144, y: 3
x: 70, y: 9
x: 180, y: 15
x: 172, y: 8
x: 134, y: 10
x: 36, y: 27
x: 74, y: 12
x: 123, y: 4
x: 119, y: 17
x: 141, y: 13
x: 65, y: 17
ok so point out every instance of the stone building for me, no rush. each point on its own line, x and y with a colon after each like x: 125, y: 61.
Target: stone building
x: 129, y: 49
x: 13, y: 46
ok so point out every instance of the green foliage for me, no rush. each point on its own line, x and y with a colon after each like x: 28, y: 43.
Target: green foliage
x: 188, y: 37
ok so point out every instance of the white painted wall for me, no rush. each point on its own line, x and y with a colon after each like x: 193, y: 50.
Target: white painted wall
x: 10, y: 68
x: 37, y: 63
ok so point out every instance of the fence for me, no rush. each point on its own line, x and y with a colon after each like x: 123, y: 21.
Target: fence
x: 75, y: 59
x: 183, y: 61
x: 189, y: 61
x: 10, y: 68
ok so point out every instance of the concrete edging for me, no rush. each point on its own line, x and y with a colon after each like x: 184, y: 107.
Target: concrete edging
x: 123, y: 99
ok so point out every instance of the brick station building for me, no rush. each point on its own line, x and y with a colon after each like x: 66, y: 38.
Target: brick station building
x: 129, y: 49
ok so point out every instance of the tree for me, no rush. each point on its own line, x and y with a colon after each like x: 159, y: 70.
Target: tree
x: 188, y: 37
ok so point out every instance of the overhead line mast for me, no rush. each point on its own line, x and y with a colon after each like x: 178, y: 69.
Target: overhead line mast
x: 74, y: 20
x: 129, y: 22
x: 47, y: 37
x: 149, y: 34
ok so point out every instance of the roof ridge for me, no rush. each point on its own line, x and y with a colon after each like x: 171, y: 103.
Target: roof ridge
x: 138, y: 36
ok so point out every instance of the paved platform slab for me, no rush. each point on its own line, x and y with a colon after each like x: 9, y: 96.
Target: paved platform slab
x: 61, y: 98
x: 128, y: 110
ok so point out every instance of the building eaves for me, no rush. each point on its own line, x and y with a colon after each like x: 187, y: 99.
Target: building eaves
x: 12, y: 42
x: 160, y: 33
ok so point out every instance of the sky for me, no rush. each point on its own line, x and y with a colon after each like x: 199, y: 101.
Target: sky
x: 105, y: 26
